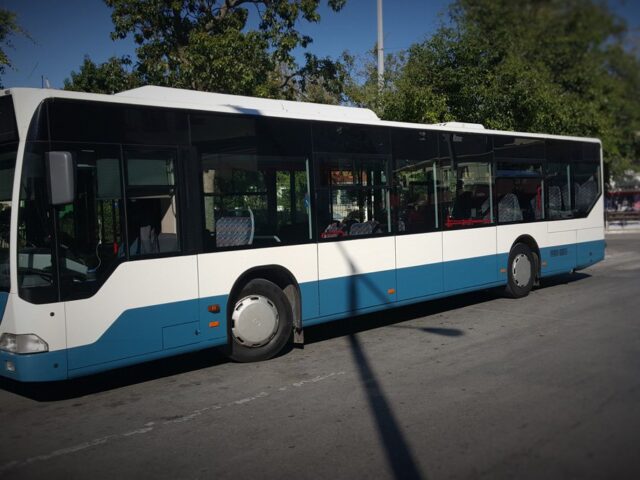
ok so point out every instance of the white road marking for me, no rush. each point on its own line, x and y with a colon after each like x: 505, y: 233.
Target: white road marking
x: 153, y: 426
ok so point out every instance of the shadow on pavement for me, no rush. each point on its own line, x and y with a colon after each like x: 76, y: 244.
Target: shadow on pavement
x: 446, y: 332
x: 396, y: 315
x: 396, y: 448
x: 563, y: 279
x: 113, y: 379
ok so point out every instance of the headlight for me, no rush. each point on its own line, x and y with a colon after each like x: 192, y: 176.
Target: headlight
x: 22, y: 343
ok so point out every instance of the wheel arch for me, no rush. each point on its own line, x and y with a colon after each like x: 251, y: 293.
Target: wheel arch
x: 278, y: 275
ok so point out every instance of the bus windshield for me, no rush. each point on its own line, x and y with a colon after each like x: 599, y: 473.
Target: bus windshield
x: 8, y: 149
x: 7, y: 168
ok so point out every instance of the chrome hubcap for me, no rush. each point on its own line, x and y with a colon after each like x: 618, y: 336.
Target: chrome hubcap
x: 521, y: 270
x: 255, y: 321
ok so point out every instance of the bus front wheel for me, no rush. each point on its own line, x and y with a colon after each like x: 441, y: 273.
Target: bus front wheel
x: 521, y: 271
x: 261, y: 322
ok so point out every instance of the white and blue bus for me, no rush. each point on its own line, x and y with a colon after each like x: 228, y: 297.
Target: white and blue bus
x: 159, y: 221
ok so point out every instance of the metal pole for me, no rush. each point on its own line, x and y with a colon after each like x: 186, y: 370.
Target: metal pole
x: 380, y: 46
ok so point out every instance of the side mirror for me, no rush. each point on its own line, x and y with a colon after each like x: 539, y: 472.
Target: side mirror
x: 61, y: 177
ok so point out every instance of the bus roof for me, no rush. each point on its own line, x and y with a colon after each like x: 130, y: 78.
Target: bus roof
x: 217, y: 102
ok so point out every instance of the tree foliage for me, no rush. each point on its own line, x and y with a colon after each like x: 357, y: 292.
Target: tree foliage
x: 114, y: 75
x: 554, y: 66
x: 8, y: 27
x: 230, y: 46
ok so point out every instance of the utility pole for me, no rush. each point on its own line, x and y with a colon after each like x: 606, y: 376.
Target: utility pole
x: 380, y: 47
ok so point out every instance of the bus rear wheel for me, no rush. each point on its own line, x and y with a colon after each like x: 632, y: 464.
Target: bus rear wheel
x: 261, y: 322
x: 521, y: 271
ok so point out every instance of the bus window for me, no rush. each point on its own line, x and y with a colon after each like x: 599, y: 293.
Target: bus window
x: 152, y: 209
x: 586, y: 186
x: 572, y: 177
x: 352, y: 180
x: 466, y: 181
x: 353, y: 195
x: 519, y: 188
x: 413, y: 198
x: 255, y: 180
x: 255, y: 200
x: 559, y: 190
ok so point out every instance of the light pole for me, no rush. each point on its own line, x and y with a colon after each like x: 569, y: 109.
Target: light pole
x: 380, y: 47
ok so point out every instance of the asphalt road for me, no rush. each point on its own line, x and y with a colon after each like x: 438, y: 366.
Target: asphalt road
x: 475, y: 386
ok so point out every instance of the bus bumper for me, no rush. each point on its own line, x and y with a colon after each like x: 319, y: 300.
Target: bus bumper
x: 36, y: 367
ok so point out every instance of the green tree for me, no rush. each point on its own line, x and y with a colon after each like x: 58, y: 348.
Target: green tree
x: 554, y: 66
x: 229, y: 46
x: 8, y: 28
x: 398, y: 96
x: 112, y: 76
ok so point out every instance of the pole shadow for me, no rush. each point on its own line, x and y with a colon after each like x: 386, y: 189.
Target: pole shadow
x: 396, y: 447
x: 446, y: 332
x: 397, y: 315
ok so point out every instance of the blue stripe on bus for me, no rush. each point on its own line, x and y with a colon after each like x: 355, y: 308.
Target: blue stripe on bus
x: 151, y: 329
x: 157, y: 331
x: 562, y: 258
x: 420, y: 281
x: 589, y: 253
x: 355, y: 292
x: 4, y: 296
x: 459, y: 274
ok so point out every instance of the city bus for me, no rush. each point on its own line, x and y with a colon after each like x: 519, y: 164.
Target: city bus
x: 159, y: 221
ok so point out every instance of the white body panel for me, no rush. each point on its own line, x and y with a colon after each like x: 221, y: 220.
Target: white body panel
x: 133, y: 284
x: 353, y: 257
x: 468, y: 243
x: 46, y: 320
x: 356, y: 274
x: 508, y: 234
x: 217, y: 272
x: 418, y: 249
x: 590, y: 235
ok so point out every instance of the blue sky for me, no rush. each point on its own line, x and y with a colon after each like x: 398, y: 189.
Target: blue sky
x: 64, y: 31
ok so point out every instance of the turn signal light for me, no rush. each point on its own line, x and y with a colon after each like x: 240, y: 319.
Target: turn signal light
x: 215, y: 308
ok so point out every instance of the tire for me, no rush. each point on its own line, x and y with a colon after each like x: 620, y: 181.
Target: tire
x: 521, y: 271
x: 260, y: 322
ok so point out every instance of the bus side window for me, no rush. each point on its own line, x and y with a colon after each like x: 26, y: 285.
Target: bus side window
x: 572, y: 178
x: 413, y: 198
x: 467, y: 178
x: 358, y: 196
x: 152, y: 208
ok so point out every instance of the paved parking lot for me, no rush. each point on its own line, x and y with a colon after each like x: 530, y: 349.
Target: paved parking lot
x: 467, y: 387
